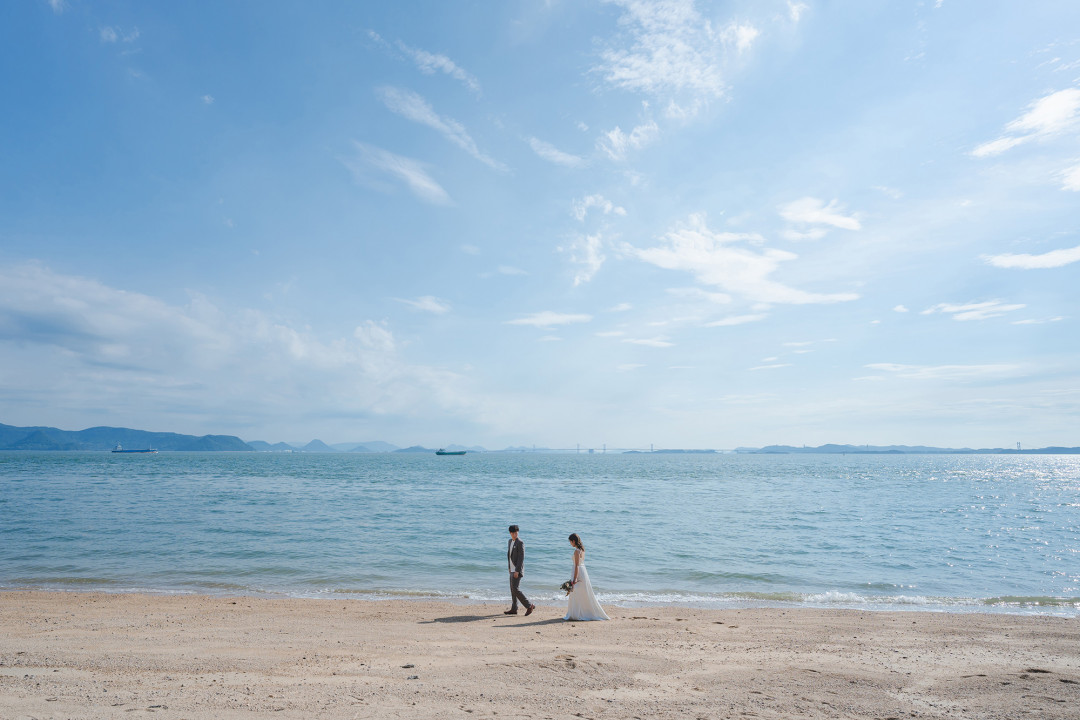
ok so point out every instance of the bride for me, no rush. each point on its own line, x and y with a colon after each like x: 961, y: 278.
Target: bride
x: 583, y: 604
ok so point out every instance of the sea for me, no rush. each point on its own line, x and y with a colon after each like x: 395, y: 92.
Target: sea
x: 952, y: 533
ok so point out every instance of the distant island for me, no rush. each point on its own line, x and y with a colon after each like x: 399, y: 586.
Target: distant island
x: 106, y: 438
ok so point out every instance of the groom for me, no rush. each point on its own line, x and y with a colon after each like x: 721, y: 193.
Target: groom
x: 515, y: 560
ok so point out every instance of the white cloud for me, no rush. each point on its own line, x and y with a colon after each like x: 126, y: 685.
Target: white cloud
x: 946, y: 372
x: 470, y: 249
x: 430, y: 63
x: 797, y: 236
x: 95, y: 345
x: 656, y: 342
x: 1034, y: 321
x: 552, y: 154
x: 900, y: 309
x: 773, y: 366
x: 548, y: 319
x: 721, y: 260
x: 1047, y: 116
x: 110, y: 34
x: 581, y: 207
x: 587, y: 252
x: 208, y: 99
x: 813, y: 211
x: 796, y: 10
x: 1070, y: 179
x: 695, y: 293
x: 413, y: 107
x: 407, y: 170
x: 621, y: 307
x: 736, y: 320
x: 671, y: 49
x: 58, y: 6
x: 427, y: 303
x: 616, y: 143
x: 742, y: 36
x: 510, y: 270
x: 1052, y: 259
x: 973, y: 311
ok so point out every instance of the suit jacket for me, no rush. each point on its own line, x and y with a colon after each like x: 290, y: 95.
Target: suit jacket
x: 515, y: 555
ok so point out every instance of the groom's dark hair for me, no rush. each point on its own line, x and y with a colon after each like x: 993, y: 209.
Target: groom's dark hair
x: 514, y: 528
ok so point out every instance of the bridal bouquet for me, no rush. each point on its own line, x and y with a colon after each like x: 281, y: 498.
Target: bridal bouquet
x: 567, y: 587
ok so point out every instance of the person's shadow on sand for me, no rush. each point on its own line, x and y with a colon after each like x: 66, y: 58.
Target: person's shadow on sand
x: 459, y: 619
x: 479, y: 618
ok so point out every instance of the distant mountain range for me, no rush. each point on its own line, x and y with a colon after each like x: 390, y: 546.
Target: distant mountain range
x: 106, y: 438
x: 902, y: 450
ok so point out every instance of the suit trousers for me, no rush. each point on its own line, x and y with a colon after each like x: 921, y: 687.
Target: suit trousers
x: 516, y: 594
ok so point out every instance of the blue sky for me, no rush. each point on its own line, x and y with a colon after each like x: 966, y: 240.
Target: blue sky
x: 687, y: 224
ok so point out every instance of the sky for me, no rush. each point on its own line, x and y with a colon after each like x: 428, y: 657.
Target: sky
x: 561, y: 223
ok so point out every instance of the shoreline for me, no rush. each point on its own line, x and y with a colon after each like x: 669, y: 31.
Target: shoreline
x: 98, y: 655
x: 1062, y: 607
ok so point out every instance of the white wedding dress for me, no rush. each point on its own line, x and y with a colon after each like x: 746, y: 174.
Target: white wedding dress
x: 582, y: 604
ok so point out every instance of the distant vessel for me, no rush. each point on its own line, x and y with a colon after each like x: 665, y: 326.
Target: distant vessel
x: 442, y: 451
x: 120, y: 449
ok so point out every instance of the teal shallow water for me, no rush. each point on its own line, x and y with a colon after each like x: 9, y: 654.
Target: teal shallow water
x: 954, y: 532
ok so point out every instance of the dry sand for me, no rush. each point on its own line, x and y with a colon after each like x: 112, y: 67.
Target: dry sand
x: 91, y: 655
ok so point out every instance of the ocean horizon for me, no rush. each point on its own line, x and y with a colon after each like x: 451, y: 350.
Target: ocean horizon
x: 954, y: 533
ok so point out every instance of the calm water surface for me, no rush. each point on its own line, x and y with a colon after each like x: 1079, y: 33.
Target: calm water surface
x: 954, y: 532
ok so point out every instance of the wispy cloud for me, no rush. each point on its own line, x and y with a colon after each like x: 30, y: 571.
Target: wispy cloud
x: 401, y: 168
x: 427, y: 303
x: 616, y: 143
x: 772, y: 366
x: 511, y: 270
x: 1046, y: 117
x: 656, y: 342
x: 1052, y: 259
x: 587, y: 253
x: 974, y: 311
x: 1039, y: 321
x: 946, y: 372
x: 737, y: 320
x: 621, y: 307
x: 552, y: 154
x: 58, y: 6
x: 431, y: 63
x: 796, y: 10
x: 413, y: 107
x: 109, y: 34
x: 93, y: 345
x: 670, y: 49
x: 1070, y: 179
x: 580, y: 208
x: 208, y: 99
x: 547, y: 319
x: 722, y: 260
x: 812, y: 211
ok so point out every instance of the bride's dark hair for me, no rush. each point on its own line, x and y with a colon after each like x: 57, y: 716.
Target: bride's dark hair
x: 576, y: 542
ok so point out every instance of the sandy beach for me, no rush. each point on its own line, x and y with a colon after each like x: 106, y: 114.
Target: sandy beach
x: 93, y: 655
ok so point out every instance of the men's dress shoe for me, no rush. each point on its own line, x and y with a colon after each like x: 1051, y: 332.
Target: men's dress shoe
x: 529, y: 611
x: 511, y: 612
